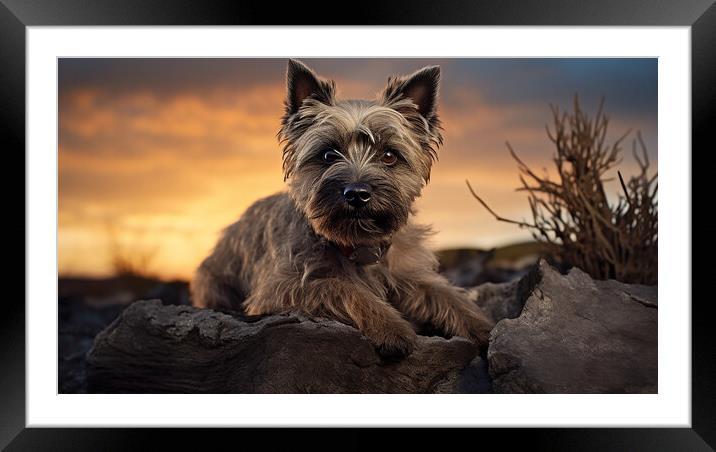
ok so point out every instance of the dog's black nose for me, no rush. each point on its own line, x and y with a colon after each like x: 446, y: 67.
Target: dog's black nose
x: 357, y: 194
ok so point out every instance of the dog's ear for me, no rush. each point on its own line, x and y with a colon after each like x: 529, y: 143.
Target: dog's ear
x: 303, y: 83
x: 421, y: 87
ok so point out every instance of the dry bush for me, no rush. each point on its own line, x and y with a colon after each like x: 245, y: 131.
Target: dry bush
x: 573, y: 218
x: 129, y: 260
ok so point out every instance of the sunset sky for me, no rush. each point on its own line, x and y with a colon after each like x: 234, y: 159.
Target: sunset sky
x: 156, y: 156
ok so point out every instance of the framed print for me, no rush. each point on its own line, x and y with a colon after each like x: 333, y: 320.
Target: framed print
x: 415, y: 218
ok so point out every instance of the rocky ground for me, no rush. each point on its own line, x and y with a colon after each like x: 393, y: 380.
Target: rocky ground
x: 86, y: 307
x: 577, y: 335
x: 555, y: 333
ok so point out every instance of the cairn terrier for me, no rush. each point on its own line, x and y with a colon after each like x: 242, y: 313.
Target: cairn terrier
x: 341, y: 242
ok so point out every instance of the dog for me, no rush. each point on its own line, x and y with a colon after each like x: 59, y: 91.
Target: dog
x: 341, y: 242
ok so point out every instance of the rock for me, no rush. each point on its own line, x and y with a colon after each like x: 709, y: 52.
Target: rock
x: 475, y: 378
x: 463, y: 266
x: 578, y: 335
x: 505, y: 300
x: 153, y: 348
x: 469, y: 267
x: 78, y: 324
x: 555, y: 334
x: 82, y: 317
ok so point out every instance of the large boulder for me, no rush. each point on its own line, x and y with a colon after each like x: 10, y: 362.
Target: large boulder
x: 578, y: 335
x: 158, y: 349
x: 555, y: 333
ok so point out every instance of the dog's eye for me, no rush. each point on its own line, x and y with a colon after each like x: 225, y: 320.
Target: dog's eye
x: 330, y: 156
x: 389, y: 158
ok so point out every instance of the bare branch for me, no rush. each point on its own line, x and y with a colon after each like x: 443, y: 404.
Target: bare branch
x: 572, y: 215
x: 497, y: 217
x: 626, y: 192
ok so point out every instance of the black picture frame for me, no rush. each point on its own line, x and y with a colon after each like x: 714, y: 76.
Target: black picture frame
x: 700, y: 15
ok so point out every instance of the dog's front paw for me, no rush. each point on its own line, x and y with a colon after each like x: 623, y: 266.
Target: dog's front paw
x: 477, y: 327
x: 393, y: 345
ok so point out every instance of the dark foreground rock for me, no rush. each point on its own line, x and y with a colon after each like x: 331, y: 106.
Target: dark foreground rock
x: 506, y: 300
x: 156, y: 348
x: 78, y: 326
x: 577, y: 335
x: 555, y: 334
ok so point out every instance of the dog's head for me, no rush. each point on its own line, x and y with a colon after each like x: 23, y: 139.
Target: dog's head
x: 355, y: 167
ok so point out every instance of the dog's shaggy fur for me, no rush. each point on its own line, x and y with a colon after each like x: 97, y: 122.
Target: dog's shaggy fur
x: 293, y: 251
